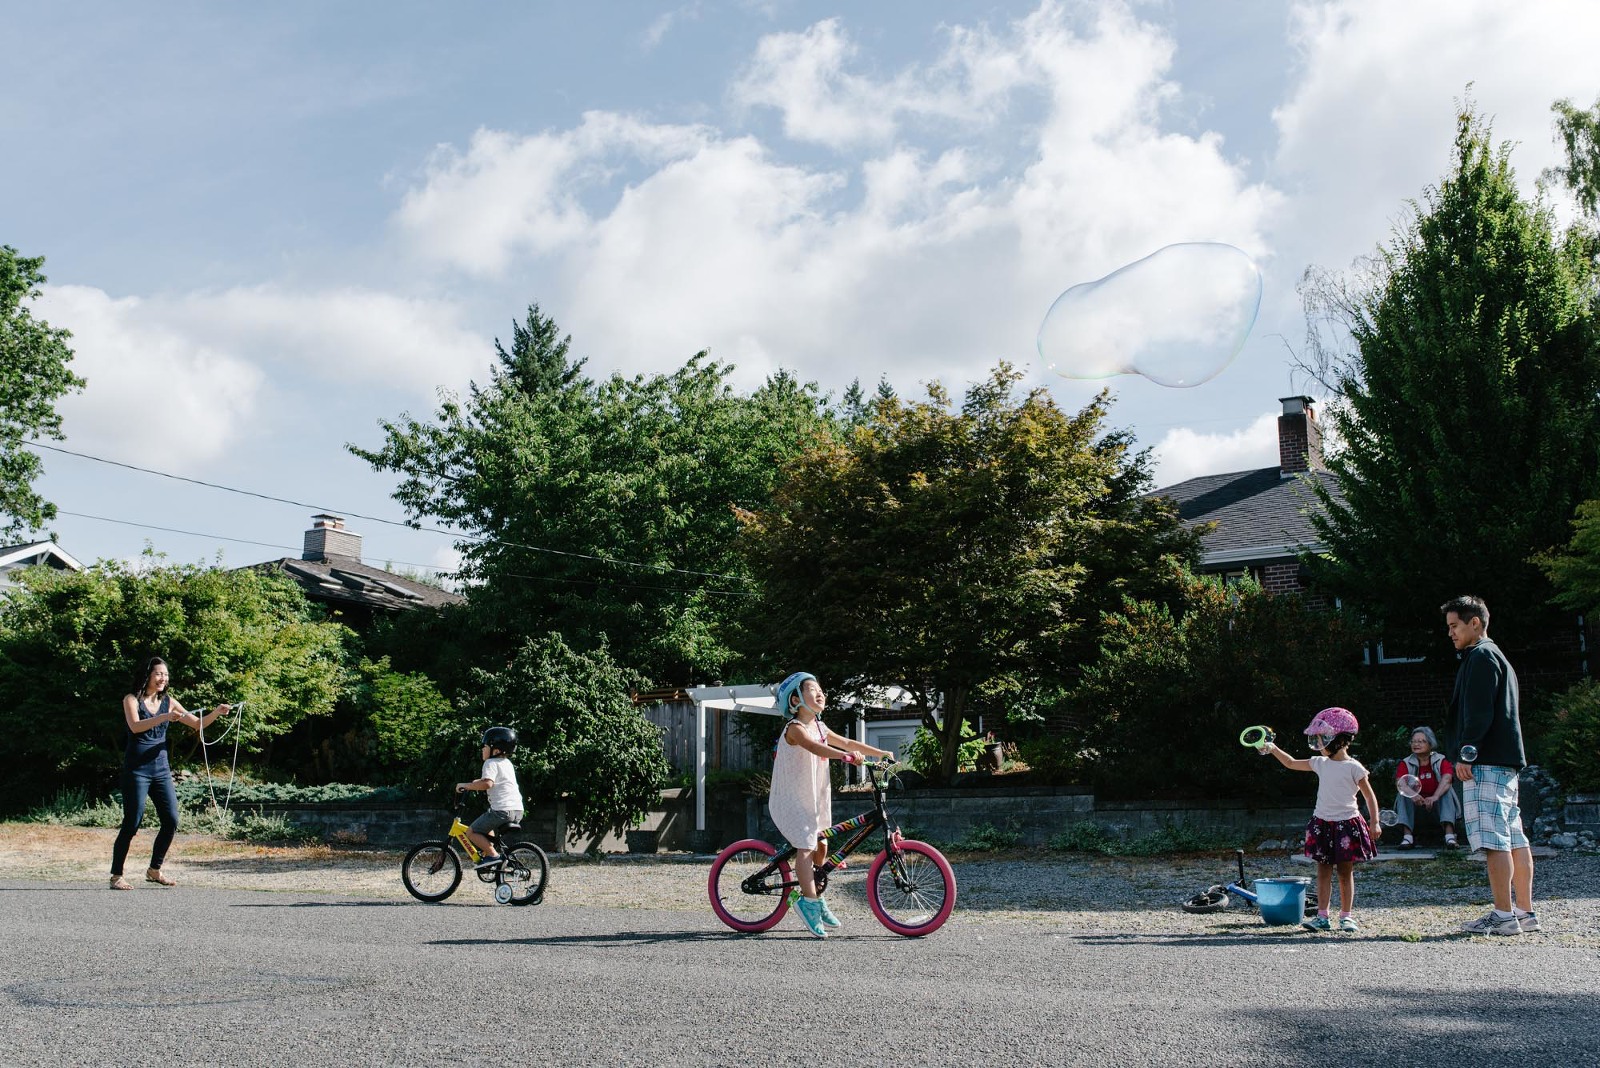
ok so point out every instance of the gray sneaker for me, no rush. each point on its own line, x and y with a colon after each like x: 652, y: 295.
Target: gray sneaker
x: 1490, y: 924
x: 1529, y: 921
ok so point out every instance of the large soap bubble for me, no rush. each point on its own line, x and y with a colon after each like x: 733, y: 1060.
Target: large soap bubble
x: 1408, y: 786
x: 1177, y: 317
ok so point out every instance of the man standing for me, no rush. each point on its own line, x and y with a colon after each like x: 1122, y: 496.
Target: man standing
x: 1484, y: 715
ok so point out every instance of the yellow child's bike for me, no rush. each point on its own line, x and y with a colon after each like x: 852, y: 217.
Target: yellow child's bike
x: 432, y: 870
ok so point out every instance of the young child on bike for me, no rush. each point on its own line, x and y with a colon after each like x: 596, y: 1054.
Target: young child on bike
x: 499, y: 778
x: 1337, y: 836
x: 801, y: 801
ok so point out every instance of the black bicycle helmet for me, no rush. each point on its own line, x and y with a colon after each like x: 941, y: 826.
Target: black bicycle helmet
x: 501, y: 738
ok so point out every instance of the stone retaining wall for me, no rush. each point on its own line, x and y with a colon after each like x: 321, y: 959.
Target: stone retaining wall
x: 939, y: 815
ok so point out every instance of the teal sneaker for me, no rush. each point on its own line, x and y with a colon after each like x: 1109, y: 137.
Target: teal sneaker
x: 811, y: 914
x: 1317, y: 923
x: 827, y: 914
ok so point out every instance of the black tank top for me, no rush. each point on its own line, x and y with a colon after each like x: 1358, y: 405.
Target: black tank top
x: 147, y: 748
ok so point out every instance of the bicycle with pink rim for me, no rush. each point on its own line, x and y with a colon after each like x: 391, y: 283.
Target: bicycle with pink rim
x: 910, y: 885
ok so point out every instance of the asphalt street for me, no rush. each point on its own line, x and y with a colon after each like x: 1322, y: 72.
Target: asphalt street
x: 206, y: 976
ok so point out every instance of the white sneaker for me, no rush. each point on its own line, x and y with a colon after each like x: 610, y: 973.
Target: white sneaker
x: 1529, y: 921
x: 1490, y: 924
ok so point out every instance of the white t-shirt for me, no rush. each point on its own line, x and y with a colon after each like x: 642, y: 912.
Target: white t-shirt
x: 503, y: 793
x: 1338, y: 782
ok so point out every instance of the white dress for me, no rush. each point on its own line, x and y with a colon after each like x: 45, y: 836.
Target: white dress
x: 801, y: 801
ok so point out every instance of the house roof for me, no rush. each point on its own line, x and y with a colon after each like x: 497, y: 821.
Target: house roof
x: 1259, y: 515
x: 347, y: 581
x: 37, y: 552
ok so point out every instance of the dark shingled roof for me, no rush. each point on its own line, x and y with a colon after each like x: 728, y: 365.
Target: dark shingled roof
x: 345, y: 581
x: 1259, y: 515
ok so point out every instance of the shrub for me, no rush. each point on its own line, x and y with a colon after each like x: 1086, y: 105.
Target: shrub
x: 581, y: 735
x: 986, y: 838
x: 923, y: 752
x: 1053, y: 761
x: 1571, y: 738
x: 1163, y: 706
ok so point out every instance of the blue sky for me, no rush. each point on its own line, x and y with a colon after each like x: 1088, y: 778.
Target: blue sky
x: 270, y: 226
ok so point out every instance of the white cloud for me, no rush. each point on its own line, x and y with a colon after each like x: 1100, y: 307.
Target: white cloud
x: 1370, y: 119
x: 663, y: 24
x: 346, y: 336
x: 1183, y: 453
x: 201, y: 362
x: 508, y: 195
x: 155, y: 396
x: 920, y: 259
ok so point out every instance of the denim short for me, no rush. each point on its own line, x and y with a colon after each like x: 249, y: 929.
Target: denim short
x: 1494, y: 814
x: 494, y: 819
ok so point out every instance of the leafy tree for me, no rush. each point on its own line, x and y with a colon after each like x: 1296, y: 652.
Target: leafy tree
x: 1467, y: 408
x: 579, y: 735
x: 1163, y: 707
x: 33, y: 376
x: 601, y: 510
x: 71, y: 643
x: 957, y: 553
x: 1578, y: 131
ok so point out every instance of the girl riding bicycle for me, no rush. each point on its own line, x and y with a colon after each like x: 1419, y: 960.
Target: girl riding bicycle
x: 801, y: 802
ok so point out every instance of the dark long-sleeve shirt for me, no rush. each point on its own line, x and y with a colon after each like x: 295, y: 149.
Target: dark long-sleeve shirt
x: 1485, y: 708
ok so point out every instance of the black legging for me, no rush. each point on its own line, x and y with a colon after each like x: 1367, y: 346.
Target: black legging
x: 137, y: 784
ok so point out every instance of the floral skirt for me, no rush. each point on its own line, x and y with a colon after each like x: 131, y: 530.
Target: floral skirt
x: 1329, y: 842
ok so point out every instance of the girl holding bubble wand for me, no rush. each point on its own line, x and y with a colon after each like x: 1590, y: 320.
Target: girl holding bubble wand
x: 1337, y: 836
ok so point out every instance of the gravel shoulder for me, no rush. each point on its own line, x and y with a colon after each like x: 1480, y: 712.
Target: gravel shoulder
x: 1409, y: 900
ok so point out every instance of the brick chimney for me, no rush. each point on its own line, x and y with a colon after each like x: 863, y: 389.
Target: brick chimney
x: 327, y: 540
x: 1299, y: 438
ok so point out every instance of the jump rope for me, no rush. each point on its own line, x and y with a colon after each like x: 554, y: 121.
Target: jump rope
x: 234, y: 718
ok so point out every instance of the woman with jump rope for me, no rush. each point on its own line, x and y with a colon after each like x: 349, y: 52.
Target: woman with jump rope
x: 146, y: 772
x: 1337, y: 837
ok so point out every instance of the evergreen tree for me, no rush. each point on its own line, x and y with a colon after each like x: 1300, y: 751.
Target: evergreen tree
x: 1467, y: 407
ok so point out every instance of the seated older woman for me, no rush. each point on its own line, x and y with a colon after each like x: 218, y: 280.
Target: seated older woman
x: 1435, y: 777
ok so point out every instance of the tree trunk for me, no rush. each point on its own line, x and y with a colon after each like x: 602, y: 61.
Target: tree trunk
x: 955, y: 714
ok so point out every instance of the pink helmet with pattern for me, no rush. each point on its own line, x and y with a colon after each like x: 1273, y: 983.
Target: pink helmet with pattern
x: 1332, y: 721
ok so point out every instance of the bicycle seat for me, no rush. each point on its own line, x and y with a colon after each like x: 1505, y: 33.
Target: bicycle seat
x: 511, y: 826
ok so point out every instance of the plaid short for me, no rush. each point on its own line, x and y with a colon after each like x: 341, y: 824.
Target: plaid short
x: 1494, y: 816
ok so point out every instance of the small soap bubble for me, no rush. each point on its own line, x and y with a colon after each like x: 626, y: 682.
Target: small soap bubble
x: 1388, y: 817
x: 1469, y: 753
x: 1408, y: 786
x: 1177, y: 317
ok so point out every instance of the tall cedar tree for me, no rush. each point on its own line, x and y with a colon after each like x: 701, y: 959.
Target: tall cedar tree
x: 1467, y: 410
x: 959, y: 553
x: 602, y: 511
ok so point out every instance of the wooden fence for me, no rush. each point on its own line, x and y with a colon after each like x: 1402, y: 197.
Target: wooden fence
x: 727, y: 747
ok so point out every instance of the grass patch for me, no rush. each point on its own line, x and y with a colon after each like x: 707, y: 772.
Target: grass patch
x: 987, y: 838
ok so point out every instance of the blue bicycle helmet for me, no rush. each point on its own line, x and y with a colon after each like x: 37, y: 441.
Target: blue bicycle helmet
x: 788, y: 688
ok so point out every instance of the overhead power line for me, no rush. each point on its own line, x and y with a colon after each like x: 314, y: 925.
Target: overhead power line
x: 609, y: 583
x: 463, y: 535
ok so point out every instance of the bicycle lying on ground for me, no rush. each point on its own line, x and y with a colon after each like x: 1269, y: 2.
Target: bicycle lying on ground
x: 432, y: 870
x: 1215, y: 898
x: 910, y: 885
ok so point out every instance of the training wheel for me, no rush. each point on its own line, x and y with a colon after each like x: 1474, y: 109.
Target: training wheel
x: 502, y: 894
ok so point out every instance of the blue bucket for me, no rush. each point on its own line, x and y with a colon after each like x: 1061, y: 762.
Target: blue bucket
x: 1282, y: 901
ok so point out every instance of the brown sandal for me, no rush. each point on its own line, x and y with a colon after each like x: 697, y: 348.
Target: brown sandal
x: 154, y: 876
x: 119, y: 883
